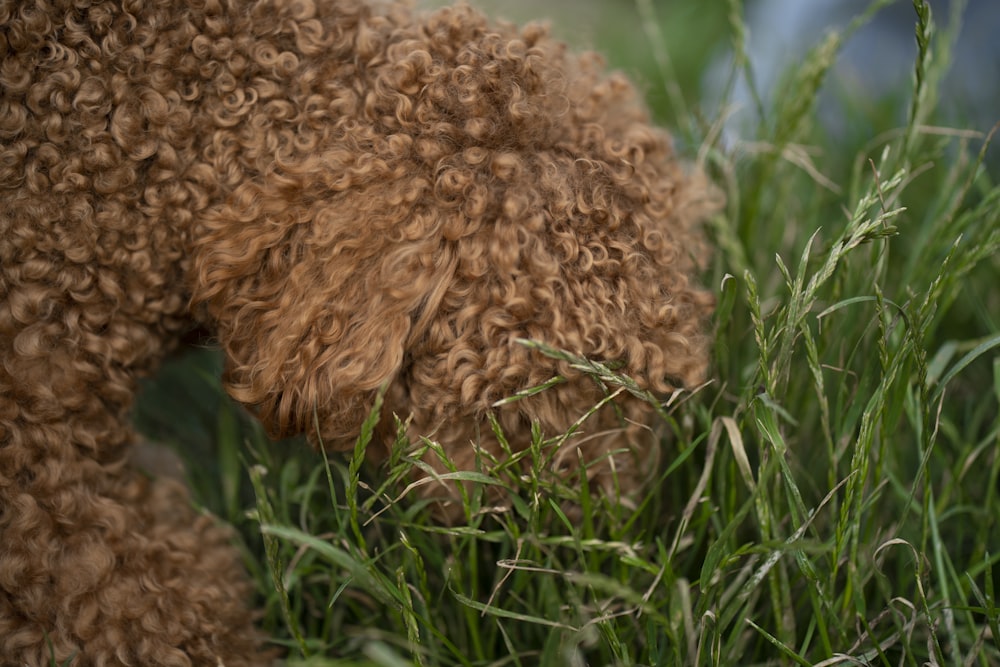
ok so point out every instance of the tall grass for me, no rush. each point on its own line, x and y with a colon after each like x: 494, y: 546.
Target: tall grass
x: 832, y: 498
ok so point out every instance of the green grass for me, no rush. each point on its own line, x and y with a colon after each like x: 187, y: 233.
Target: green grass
x: 832, y: 497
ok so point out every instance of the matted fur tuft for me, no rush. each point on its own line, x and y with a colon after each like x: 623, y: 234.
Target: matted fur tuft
x: 349, y: 195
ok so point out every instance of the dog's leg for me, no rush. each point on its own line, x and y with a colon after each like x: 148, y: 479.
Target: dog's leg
x: 98, y: 565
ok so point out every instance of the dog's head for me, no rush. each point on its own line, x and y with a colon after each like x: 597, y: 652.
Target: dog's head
x: 481, y: 188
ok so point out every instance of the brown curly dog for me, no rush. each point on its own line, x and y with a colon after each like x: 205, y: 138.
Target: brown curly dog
x: 348, y: 196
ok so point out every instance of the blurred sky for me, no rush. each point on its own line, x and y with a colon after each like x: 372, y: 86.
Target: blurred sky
x: 879, y: 58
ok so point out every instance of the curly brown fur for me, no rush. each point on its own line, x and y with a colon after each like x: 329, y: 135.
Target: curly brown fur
x: 349, y: 195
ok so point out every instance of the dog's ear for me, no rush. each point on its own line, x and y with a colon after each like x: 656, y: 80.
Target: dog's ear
x: 315, y: 291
